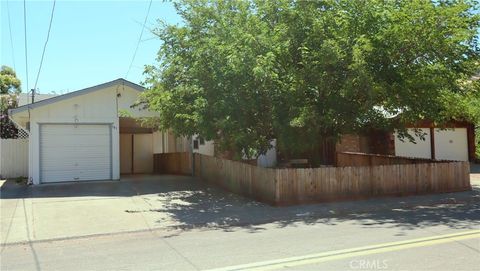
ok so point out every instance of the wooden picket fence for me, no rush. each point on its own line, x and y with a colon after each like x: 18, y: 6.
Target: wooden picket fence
x: 303, y: 185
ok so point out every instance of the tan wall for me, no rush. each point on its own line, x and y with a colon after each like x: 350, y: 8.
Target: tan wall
x: 142, y: 153
x: 126, y: 158
x: 136, y: 153
x: 166, y: 142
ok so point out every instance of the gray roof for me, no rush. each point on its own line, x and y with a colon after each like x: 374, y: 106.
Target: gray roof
x: 72, y: 94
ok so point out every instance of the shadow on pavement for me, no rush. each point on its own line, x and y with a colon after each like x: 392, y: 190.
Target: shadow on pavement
x: 194, y: 204
x: 212, y: 208
x: 128, y: 186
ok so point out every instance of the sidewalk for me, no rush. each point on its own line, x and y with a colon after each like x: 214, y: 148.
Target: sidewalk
x: 169, y: 204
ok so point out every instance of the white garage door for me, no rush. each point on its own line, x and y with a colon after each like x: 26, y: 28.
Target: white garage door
x: 420, y: 148
x: 71, y: 152
x: 451, y: 144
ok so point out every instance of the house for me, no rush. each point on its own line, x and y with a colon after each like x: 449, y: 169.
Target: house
x: 82, y: 135
x: 26, y: 98
x: 454, y: 141
x: 207, y: 147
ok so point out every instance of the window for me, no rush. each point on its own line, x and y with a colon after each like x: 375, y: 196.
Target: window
x: 202, y: 141
x: 195, y: 144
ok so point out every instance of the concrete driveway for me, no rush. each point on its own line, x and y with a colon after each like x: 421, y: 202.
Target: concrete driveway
x: 136, y: 203
x: 167, y: 204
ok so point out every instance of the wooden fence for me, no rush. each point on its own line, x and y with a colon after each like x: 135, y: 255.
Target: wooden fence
x: 13, y: 158
x: 355, y: 159
x: 241, y: 178
x: 172, y: 163
x: 293, y: 185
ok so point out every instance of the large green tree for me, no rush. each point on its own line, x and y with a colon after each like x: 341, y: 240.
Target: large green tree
x: 244, y: 72
x: 9, y: 89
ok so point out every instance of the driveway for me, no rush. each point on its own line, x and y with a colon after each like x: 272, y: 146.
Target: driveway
x: 136, y: 203
x: 167, y: 204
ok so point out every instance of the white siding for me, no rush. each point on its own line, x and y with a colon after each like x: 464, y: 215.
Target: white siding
x: 269, y: 159
x: 95, y: 107
x: 207, y: 148
x: 13, y: 158
x: 101, y: 106
x: 420, y: 148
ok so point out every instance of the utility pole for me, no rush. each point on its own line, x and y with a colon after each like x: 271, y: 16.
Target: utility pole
x: 33, y: 95
x: 192, y: 156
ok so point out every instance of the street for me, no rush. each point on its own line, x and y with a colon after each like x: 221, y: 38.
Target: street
x: 223, y: 135
x: 231, y: 248
x: 435, y: 232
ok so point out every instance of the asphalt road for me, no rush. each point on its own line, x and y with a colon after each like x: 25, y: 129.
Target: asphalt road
x: 388, y: 240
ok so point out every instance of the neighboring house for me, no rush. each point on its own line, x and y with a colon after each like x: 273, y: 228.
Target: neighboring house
x: 205, y: 147
x: 26, y: 98
x: 80, y: 136
x: 455, y: 141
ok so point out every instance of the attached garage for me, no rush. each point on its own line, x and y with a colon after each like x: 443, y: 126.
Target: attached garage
x: 75, y: 152
x: 75, y: 137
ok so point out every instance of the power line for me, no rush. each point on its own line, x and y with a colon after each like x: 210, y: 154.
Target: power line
x: 139, y: 39
x: 25, y: 32
x: 45, y: 45
x: 11, y: 39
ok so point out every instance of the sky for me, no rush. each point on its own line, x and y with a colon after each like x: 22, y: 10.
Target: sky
x: 91, y: 42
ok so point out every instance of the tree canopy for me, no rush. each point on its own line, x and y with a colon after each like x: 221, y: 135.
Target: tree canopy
x: 245, y: 72
x: 9, y: 88
x: 9, y: 83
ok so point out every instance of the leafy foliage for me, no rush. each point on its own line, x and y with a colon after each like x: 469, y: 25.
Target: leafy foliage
x: 9, y: 88
x: 244, y: 72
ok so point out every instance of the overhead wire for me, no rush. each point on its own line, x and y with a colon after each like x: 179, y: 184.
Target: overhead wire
x: 139, y: 40
x: 11, y: 39
x: 25, y: 36
x: 45, y: 45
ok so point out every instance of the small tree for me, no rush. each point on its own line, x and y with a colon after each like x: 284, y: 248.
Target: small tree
x: 9, y: 89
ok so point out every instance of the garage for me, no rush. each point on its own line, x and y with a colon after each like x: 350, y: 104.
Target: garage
x: 420, y: 148
x: 75, y: 152
x: 454, y: 142
x: 75, y: 137
x: 92, y: 134
x: 451, y: 144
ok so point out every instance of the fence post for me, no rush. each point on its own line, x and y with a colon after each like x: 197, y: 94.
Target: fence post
x: 192, y: 157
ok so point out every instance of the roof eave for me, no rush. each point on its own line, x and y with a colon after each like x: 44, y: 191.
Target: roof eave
x: 73, y: 94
